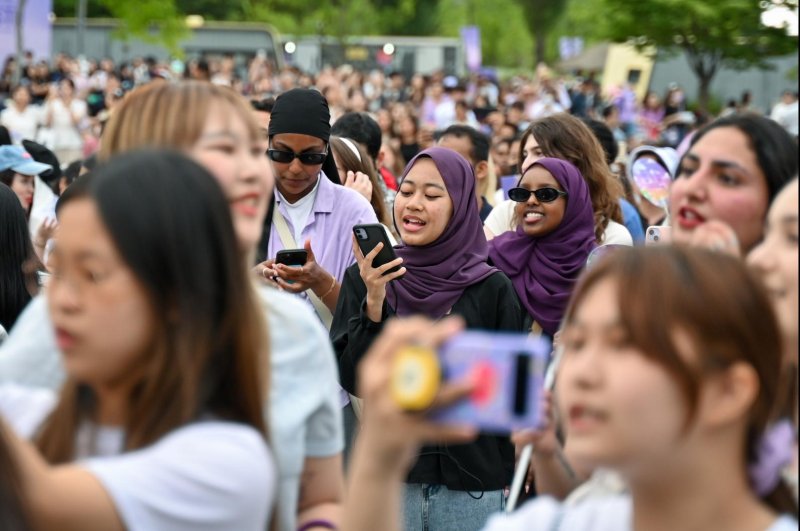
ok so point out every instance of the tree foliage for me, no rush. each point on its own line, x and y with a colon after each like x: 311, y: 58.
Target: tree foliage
x: 505, y: 39
x: 157, y: 21
x: 711, y: 33
x: 542, y: 17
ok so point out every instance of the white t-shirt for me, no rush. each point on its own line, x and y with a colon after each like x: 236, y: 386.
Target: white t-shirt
x: 305, y: 415
x: 613, y: 513
x: 300, y: 210
x: 616, y: 234
x: 29, y: 355
x: 205, y: 476
x: 21, y: 125
x: 25, y: 408
x: 66, y: 134
x: 208, y: 475
x: 43, y: 207
x: 786, y: 114
x: 501, y: 219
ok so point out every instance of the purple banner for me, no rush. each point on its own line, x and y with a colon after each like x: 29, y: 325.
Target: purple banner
x: 569, y: 47
x: 36, y: 28
x: 471, y: 38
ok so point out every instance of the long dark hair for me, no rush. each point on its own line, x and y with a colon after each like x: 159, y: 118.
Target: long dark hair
x: 18, y: 262
x: 774, y: 147
x: 720, y: 304
x: 12, y: 508
x: 171, y: 224
x: 7, y: 178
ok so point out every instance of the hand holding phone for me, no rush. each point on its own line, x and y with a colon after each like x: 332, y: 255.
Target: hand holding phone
x: 657, y: 234
x: 292, y: 258
x: 377, y: 265
x: 297, y: 270
x: 506, y: 372
x: 368, y: 236
x: 392, y: 433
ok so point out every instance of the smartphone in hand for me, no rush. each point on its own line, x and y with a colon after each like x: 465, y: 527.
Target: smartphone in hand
x: 657, y: 234
x: 291, y: 258
x: 368, y: 236
x: 507, y: 371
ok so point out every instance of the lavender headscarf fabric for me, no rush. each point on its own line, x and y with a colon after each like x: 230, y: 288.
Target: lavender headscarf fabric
x: 438, y: 273
x: 544, y: 269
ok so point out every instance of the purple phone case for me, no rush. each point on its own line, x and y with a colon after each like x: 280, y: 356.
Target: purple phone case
x: 507, y: 182
x: 491, y: 359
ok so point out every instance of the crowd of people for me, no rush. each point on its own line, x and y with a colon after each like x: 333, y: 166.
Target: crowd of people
x: 162, y: 368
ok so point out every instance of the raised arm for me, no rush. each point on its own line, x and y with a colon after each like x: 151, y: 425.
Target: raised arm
x: 60, y: 497
x: 389, y: 437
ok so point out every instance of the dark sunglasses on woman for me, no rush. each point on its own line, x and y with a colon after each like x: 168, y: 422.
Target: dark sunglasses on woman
x: 285, y: 157
x: 543, y: 195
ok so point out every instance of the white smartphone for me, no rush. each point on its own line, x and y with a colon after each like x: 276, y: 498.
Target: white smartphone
x: 657, y: 234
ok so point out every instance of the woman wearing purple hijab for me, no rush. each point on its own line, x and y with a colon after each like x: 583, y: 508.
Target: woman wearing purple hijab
x: 445, y: 271
x: 555, y: 235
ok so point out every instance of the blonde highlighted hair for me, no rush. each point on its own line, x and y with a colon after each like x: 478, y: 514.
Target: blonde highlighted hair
x: 170, y: 115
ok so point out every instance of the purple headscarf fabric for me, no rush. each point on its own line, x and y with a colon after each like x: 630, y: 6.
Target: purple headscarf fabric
x: 438, y: 273
x: 544, y: 269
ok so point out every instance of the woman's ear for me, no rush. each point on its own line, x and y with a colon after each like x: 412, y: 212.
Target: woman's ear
x: 728, y: 395
x: 481, y: 170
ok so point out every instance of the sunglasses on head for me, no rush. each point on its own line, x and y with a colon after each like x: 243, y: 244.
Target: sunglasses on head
x: 543, y: 195
x: 285, y: 157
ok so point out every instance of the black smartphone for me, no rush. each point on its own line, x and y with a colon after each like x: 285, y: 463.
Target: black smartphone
x: 368, y: 236
x: 292, y: 257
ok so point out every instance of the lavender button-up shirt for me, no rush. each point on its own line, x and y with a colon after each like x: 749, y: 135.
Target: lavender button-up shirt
x: 329, y: 226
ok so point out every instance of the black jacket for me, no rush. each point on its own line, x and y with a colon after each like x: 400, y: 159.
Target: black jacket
x: 492, y: 304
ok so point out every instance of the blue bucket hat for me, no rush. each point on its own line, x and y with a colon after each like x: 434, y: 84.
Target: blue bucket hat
x: 19, y: 160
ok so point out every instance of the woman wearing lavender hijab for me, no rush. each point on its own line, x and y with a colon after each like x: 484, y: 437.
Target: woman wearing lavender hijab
x: 554, y: 236
x: 444, y: 271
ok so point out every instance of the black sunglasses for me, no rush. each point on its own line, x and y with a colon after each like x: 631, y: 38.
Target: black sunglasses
x: 285, y: 157
x: 543, y: 195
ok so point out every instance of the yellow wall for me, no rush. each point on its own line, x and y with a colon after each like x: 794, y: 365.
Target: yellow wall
x: 621, y: 59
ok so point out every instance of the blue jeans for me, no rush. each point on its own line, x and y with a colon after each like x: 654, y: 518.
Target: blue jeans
x: 436, y: 508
